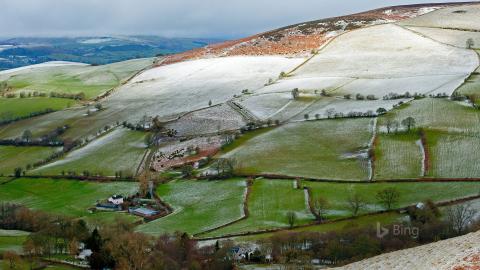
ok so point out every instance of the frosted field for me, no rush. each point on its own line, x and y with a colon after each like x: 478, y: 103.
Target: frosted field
x: 331, y: 149
x: 398, y: 156
x: 345, y: 106
x: 72, y: 77
x: 119, y: 150
x: 198, y: 206
x: 428, y: 84
x: 268, y: 205
x: 438, y: 114
x: 454, y: 155
x: 462, y: 17
x: 210, y: 120
x: 472, y: 85
x: 187, y: 86
x: 453, y: 37
x: 387, y: 51
x: 42, y: 65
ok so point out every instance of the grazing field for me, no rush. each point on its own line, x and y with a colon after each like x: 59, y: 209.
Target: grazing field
x: 198, y: 206
x: 11, y: 108
x: 471, y: 85
x: 73, y: 79
x: 461, y: 17
x: 438, y: 114
x: 453, y: 155
x: 12, y: 240
x: 119, y: 150
x: 12, y: 157
x: 333, y: 149
x: 398, y: 156
x: 66, y: 197
x: 410, y: 193
x: 268, y: 205
x: 41, y: 125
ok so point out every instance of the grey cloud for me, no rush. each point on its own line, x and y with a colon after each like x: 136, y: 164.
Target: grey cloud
x: 175, y: 18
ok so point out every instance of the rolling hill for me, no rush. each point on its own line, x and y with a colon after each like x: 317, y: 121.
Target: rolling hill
x: 239, y: 135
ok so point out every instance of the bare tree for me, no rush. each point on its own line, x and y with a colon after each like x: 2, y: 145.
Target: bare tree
x: 409, y: 123
x: 224, y: 167
x: 470, y: 43
x: 27, y: 135
x: 355, y: 202
x: 291, y: 218
x: 320, y: 206
x: 388, y: 197
x: 295, y: 93
x: 460, y: 216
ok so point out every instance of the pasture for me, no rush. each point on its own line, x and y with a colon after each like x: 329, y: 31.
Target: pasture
x: 73, y: 78
x: 12, y: 157
x: 453, y: 155
x: 66, y: 197
x: 337, y: 194
x: 118, y: 150
x: 11, y: 108
x: 268, y: 205
x: 198, y: 206
x: 330, y: 149
x: 398, y: 156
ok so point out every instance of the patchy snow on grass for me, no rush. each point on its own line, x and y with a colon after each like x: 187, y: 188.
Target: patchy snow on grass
x: 183, y: 87
x: 388, y: 52
x: 42, y: 65
x: 458, y: 17
x: 210, y: 120
x: 448, y: 36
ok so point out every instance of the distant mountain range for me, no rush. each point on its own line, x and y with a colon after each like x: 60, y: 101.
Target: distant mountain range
x: 17, y: 52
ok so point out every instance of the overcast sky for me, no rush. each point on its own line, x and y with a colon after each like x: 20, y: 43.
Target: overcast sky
x: 175, y: 18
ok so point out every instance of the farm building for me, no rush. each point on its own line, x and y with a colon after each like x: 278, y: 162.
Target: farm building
x: 144, y: 212
x: 116, y: 199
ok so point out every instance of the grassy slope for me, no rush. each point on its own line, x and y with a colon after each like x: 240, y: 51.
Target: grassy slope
x: 21, y: 107
x: 472, y: 85
x: 199, y: 205
x: 453, y: 155
x: 12, y: 157
x: 67, y: 197
x: 269, y: 203
x: 438, y: 114
x: 452, y: 138
x: 91, y: 80
x: 361, y: 222
x: 337, y: 194
x: 120, y: 150
x: 397, y: 156
x: 309, y: 149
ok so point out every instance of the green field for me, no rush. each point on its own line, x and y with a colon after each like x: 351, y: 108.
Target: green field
x: 453, y: 155
x: 12, y: 157
x: 268, y: 204
x: 472, y: 85
x: 11, y: 240
x: 67, y: 197
x: 360, y: 222
x: 119, y: 150
x: 74, y: 79
x: 397, y: 156
x: 410, y: 193
x: 438, y: 114
x: 198, y: 205
x: 333, y: 149
x: 11, y: 108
